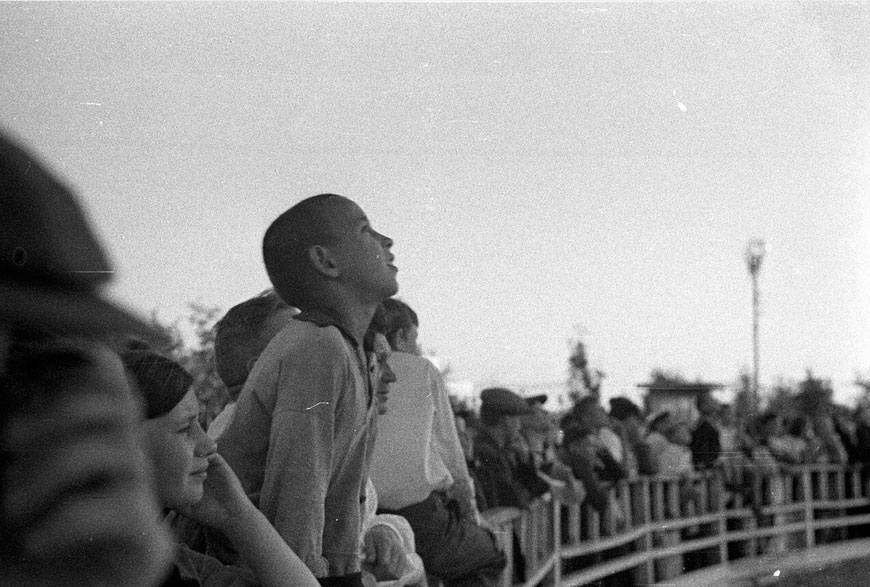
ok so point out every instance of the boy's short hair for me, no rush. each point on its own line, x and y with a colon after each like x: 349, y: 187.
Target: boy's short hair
x: 398, y: 316
x: 238, y: 338
x: 622, y: 408
x: 286, y: 245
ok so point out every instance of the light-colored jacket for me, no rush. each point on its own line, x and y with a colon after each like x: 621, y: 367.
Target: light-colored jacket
x: 301, y: 440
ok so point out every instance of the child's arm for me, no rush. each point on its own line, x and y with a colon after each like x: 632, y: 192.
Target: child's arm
x: 226, y: 507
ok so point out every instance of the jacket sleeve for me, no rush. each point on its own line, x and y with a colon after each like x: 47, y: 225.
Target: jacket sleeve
x: 300, y: 456
x: 497, y: 482
x: 705, y: 445
x: 596, y: 491
x: 449, y: 445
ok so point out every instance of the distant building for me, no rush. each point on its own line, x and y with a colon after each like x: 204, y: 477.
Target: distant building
x: 678, y: 398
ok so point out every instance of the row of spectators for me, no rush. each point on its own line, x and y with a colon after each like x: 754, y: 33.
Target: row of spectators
x: 601, y: 448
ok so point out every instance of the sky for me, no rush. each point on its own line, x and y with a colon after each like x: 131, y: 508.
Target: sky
x: 547, y: 172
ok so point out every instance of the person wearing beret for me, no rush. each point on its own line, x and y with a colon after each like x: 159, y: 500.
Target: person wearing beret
x: 76, y: 505
x: 506, y: 481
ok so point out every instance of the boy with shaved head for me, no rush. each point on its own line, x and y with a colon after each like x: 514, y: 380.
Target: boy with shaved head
x: 301, y: 438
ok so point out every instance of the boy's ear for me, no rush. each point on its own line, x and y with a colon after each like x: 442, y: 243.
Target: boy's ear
x: 322, y: 260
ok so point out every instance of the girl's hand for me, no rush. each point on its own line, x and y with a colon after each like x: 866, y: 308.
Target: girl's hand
x: 224, y: 501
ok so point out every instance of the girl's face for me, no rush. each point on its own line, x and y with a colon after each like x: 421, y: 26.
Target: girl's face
x: 180, y: 451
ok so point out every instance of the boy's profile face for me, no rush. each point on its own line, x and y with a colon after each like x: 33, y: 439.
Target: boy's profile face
x: 363, y: 254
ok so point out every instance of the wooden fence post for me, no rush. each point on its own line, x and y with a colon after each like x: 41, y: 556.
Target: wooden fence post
x: 646, y: 521
x: 808, y: 507
x: 557, y: 542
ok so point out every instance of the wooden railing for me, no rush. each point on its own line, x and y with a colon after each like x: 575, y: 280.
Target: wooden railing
x: 678, y: 530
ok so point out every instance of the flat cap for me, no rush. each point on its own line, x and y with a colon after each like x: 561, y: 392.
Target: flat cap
x: 622, y: 408
x: 503, y: 402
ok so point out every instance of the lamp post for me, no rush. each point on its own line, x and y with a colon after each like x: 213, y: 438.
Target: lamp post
x: 755, y: 250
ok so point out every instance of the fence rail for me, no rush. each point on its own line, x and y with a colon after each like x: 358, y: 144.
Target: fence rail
x: 675, y: 530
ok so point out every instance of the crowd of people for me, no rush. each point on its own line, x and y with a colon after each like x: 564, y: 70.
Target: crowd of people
x: 339, y: 460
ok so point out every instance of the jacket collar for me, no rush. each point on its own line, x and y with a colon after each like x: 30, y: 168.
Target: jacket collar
x: 323, y: 317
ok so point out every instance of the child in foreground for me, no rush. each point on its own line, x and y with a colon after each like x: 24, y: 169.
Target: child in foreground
x: 194, y: 480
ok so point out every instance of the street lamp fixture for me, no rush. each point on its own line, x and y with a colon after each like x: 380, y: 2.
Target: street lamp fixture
x: 755, y: 250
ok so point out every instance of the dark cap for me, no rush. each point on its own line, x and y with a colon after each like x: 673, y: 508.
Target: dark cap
x: 498, y: 401
x: 161, y: 381
x: 51, y: 265
x: 537, y: 400
x: 622, y: 408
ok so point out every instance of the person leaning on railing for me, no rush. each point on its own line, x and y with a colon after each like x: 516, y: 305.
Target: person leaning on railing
x: 582, y: 451
x: 706, y: 444
x: 505, y: 480
x: 628, y: 420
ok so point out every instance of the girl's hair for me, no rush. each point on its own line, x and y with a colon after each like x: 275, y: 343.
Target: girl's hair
x: 161, y: 381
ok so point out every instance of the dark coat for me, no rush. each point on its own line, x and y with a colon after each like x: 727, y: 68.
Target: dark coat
x: 705, y: 446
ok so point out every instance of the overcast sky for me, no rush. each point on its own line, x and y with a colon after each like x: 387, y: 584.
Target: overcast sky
x: 546, y: 170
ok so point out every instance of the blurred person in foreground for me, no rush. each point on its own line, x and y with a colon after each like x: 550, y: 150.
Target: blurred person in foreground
x: 193, y: 479
x: 76, y: 500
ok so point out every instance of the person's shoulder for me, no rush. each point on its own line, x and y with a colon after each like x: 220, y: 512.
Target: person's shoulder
x: 413, y: 364
x: 301, y: 337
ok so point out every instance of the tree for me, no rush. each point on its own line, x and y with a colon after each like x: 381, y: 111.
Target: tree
x: 744, y: 409
x: 581, y: 380
x: 196, y: 355
x: 782, y: 398
x: 815, y: 396
x: 863, y: 382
